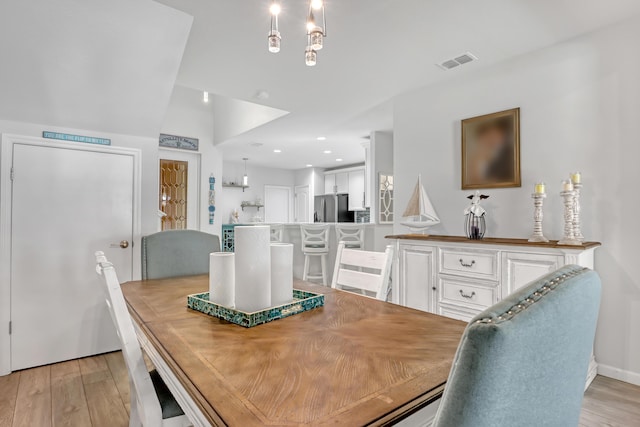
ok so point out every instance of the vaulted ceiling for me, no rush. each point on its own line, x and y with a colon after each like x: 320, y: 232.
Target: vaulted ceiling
x: 90, y: 64
x: 375, y: 50
x: 111, y: 64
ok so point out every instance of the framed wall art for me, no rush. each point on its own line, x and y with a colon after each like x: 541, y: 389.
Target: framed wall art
x: 491, y: 150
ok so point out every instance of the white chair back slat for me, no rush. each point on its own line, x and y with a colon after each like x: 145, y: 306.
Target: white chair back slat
x: 364, y: 259
x: 315, y: 238
x: 351, y: 234
x: 144, y: 399
x: 359, y: 280
x: 375, y: 282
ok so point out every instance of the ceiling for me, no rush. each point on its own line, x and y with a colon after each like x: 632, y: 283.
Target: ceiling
x: 375, y: 50
x: 100, y: 65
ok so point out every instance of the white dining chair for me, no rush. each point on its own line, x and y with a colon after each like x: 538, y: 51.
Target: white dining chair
x: 277, y: 231
x: 351, y: 234
x: 368, y: 272
x: 152, y: 404
x: 315, y: 244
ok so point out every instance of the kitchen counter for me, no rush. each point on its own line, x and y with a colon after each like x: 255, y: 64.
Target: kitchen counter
x: 291, y: 234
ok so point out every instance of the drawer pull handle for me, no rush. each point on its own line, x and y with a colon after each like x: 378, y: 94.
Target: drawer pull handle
x: 468, y: 265
x: 467, y: 296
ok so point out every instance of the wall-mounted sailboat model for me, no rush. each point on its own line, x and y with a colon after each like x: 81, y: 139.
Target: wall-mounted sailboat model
x: 420, y: 213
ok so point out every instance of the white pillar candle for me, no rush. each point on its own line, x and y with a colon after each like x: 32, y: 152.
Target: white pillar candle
x: 281, y: 273
x: 253, y: 267
x: 222, y: 272
x: 567, y: 185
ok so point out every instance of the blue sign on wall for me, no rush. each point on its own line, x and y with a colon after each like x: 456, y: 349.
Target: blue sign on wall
x: 76, y: 138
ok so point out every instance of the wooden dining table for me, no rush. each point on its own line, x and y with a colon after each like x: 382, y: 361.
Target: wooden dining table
x: 355, y: 361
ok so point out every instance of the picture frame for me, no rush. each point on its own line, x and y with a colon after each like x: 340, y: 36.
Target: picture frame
x: 491, y: 150
x: 181, y: 142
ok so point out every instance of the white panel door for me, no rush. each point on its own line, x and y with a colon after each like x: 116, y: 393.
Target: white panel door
x: 521, y: 269
x: 277, y: 204
x: 417, y: 277
x: 301, y: 207
x: 67, y: 204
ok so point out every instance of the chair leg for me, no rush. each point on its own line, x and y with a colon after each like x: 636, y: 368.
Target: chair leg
x: 323, y: 261
x: 305, y: 272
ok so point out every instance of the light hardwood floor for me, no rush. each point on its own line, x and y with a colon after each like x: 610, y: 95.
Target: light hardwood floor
x: 94, y: 392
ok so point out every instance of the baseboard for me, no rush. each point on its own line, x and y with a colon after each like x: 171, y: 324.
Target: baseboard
x: 619, y: 374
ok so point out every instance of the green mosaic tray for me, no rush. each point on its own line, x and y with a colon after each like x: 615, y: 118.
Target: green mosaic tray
x: 302, y: 301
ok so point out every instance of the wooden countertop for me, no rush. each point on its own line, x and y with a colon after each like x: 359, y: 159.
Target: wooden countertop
x: 492, y: 241
x: 355, y: 361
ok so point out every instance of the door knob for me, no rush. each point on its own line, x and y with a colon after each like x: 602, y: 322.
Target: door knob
x: 124, y: 244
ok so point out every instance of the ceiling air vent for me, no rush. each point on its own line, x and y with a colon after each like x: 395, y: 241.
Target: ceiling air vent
x: 465, y: 58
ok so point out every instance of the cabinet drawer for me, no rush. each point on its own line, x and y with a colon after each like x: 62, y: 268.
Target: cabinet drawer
x: 476, y: 263
x: 468, y: 294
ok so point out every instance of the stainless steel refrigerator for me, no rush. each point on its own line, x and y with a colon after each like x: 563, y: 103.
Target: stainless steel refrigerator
x: 332, y: 208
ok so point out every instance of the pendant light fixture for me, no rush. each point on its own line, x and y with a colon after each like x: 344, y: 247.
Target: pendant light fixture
x: 316, y: 30
x: 245, y: 178
x: 274, y: 33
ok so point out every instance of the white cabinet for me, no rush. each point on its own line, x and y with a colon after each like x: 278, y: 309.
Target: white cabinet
x: 336, y: 182
x: 417, y: 287
x: 356, y: 190
x: 329, y: 183
x: 460, y: 278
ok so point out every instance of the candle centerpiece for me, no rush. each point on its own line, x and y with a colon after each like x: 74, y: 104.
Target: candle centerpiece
x: 254, y: 285
x: 538, y: 198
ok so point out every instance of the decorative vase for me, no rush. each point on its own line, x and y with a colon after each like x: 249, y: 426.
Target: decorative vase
x: 474, y: 226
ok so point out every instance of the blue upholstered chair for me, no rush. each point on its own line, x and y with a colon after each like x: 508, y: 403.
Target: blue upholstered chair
x: 175, y: 253
x: 523, y: 362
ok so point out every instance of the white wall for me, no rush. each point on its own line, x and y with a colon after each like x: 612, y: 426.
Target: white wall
x: 189, y: 116
x: 258, y: 177
x: 580, y: 106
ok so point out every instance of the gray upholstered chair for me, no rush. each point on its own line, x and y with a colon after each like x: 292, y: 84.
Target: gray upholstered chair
x: 175, y: 253
x: 523, y: 362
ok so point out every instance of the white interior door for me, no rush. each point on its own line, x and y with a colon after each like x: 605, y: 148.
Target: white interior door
x: 67, y: 204
x: 301, y: 205
x: 277, y: 204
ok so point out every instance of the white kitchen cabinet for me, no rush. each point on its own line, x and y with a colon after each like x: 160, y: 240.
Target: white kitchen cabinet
x: 342, y: 182
x: 336, y: 183
x: 329, y: 183
x: 460, y: 278
x: 356, y: 190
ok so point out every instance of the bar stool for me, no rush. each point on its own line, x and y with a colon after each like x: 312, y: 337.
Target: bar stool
x: 276, y: 232
x: 315, y: 243
x: 351, y: 234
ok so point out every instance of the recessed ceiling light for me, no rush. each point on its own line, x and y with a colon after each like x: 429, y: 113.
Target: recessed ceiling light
x: 277, y: 151
x: 338, y: 160
x: 309, y: 166
x: 205, y: 96
x: 321, y: 138
x: 327, y: 151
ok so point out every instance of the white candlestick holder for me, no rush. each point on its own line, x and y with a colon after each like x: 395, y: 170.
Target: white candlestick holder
x: 569, y: 237
x: 577, y: 233
x: 537, y: 236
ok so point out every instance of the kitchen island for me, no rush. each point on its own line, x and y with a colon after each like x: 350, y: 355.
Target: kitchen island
x: 291, y: 234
